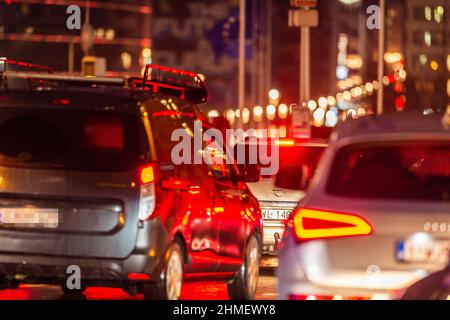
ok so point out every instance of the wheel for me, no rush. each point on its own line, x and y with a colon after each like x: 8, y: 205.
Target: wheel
x: 244, y: 285
x: 169, y: 287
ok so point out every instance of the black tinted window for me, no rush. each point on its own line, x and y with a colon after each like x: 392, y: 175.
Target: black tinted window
x: 403, y: 170
x: 70, y: 140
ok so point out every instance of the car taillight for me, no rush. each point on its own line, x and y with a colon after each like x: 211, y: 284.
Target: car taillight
x: 310, y: 224
x: 147, y: 192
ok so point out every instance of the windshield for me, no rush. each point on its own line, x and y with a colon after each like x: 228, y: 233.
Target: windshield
x: 400, y: 171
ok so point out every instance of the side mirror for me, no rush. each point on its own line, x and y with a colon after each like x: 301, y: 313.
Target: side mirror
x: 293, y: 178
x: 251, y: 172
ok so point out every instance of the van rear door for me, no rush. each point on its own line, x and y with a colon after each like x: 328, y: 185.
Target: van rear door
x: 68, y: 182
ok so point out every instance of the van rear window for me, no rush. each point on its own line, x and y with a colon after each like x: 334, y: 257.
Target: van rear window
x: 103, y: 133
x: 68, y: 140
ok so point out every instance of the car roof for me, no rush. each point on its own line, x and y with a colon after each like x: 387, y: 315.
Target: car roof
x: 107, y: 99
x: 398, y: 123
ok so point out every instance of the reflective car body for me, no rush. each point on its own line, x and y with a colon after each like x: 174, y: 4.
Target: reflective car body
x: 375, y: 219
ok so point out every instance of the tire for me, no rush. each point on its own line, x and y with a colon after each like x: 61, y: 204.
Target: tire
x: 170, y: 284
x: 244, y: 285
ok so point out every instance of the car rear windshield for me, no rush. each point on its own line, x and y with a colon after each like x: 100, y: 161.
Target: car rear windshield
x: 298, y: 156
x: 68, y: 140
x: 397, y: 171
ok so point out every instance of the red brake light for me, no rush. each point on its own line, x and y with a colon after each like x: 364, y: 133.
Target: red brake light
x: 312, y: 224
x: 285, y: 143
x: 138, y: 277
x: 147, y: 174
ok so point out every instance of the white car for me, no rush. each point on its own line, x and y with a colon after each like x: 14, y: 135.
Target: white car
x: 277, y: 204
x: 376, y: 216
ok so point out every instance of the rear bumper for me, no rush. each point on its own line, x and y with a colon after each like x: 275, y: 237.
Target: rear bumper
x: 306, y: 290
x: 306, y: 273
x: 145, y: 259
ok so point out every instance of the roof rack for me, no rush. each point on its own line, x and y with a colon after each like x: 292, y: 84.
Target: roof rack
x: 112, y: 81
x: 157, y: 79
x: 183, y: 84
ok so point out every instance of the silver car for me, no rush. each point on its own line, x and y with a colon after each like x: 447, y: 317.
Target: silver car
x: 376, y: 217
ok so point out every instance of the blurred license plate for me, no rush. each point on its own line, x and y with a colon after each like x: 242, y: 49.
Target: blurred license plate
x: 269, y: 214
x: 29, y: 217
x: 428, y: 252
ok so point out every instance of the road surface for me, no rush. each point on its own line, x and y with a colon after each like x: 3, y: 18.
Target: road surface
x: 267, y: 290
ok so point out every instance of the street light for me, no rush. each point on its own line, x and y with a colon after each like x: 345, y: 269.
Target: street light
x: 274, y: 97
x: 258, y: 112
x: 331, y: 119
x: 331, y: 101
x: 271, y: 112
x: 274, y: 94
x: 213, y: 114
x: 230, y: 115
x: 319, y: 117
x: 312, y: 105
x: 283, y: 111
x: 323, y: 102
x: 245, y: 116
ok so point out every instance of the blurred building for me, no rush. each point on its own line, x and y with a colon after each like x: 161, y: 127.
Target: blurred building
x: 36, y: 31
x: 200, y: 36
x: 348, y: 39
x: 203, y: 36
x: 342, y: 54
x: 427, y: 52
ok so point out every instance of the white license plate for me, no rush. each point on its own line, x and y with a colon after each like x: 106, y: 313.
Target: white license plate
x: 427, y: 252
x: 272, y: 214
x: 29, y: 218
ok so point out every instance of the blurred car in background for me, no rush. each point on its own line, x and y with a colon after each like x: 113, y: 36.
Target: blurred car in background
x: 276, y: 203
x: 375, y: 219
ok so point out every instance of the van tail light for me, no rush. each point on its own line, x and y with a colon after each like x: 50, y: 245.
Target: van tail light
x: 147, y: 201
x: 310, y: 224
x: 147, y: 174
